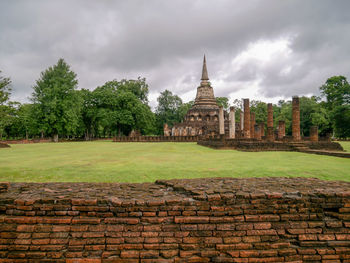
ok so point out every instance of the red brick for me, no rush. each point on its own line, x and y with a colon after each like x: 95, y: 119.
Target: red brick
x: 213, y: 240
x: 342, y: 237
x: 191, y: 220
x: 114, y: 220
x: 168, y: 253
x: 308, y: 237
x: 82, y: 260
x: 60, y: 228
x: 56, y: 220
x: 78, y: 228
x: 326, y: 237
x: 130, y: 254
x: 149, y: 254
x: 251, y: 239
x: 86, y: 220
x: 248, y: 253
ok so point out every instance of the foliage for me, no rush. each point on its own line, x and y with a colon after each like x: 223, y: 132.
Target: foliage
x: 336, y: 90
x: 5, y: 89
x: 56, y: 100
x: 260, y: 110
x: 5, y: 109
x: 117, y: 107
x: 168, y: 110
x: 223, y: 101
x: 341, y: 117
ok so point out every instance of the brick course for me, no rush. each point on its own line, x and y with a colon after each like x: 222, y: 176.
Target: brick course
x: 197, y: 220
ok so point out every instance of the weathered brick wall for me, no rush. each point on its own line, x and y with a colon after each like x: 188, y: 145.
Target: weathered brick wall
x: 204, y: 220
x: 4, y: 145
x: 256, y: 145
x: 156, y: 139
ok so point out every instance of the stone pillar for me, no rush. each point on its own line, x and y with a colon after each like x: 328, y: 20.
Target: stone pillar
x: 314, y: 133
x: 257, y: 132
x: 241, y: 119
x: 221, y: 121
x: 270, y: 135
x: 232, y: 123
x: 262, y: 129
x: 269, y: 115
x: 281, y: 129
x: 252, y: 124
x: 296, y: 119
x: 246, y: 127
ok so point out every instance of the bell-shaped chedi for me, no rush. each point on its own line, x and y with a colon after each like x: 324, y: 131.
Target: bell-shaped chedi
x: 205, y: 94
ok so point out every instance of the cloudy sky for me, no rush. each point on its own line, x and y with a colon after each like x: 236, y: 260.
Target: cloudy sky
x: 260, y: 49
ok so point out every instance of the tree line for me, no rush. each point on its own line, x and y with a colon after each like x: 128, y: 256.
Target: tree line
x: 58, y: 109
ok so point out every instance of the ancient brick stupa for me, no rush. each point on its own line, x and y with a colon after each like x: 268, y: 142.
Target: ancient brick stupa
x: 203, y: 117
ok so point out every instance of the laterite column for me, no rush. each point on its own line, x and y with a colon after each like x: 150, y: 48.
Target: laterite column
x: 257, y: 132
x: 269, y: 135
x: 221, y: 121
x: 314, y: 133
x: 246, y: 128
x: 262, y: 129
x: 296, y: 119
x: 269, y: 115
x: 281, y: 129
x: 241, y: 119
x: 252, y: 124
x: 232, y: 123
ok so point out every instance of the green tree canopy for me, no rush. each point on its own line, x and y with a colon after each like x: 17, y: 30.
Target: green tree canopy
x: 223, y: 101
x: 56, y: 101
x: 168, y: 110
x: 6, y: 112
x: 336, y: 90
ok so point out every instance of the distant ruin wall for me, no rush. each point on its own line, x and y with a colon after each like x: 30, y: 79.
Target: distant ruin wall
x: 4, y: 145
x: 156, y: 139
x: 258, y: 145
x: 203, y: 220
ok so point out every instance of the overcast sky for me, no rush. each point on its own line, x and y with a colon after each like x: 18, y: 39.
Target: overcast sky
x: 259, y: 49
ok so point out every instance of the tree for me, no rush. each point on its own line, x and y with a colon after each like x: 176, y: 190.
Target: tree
x: 336, y: 90
x: 260, y: 110
x: 138, y: 87
x: 183, y: 109
x: 167, y: 110
x: 6, y: 111
x: 114, y: 108
x: 56, y: 101
x: 5, y: 89
x: 223, y: 101
x: 341, y: 116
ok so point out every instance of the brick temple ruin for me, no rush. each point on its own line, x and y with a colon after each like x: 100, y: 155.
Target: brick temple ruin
x: 206, y: 119
x: 203, y: 117
x: 214, y: 127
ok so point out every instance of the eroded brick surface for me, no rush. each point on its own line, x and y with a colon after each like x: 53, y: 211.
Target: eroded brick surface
x: 198, y: 220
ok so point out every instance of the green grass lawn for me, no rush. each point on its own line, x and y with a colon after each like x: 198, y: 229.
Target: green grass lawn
x: 105, y: 161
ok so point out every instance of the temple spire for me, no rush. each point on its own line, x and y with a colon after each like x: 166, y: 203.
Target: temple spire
x: 204, y: 70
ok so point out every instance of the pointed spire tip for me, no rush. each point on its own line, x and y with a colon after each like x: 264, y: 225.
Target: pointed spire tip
x: 204, y: 70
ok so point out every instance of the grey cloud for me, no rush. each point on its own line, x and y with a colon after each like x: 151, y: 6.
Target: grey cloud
x: 164, y: 41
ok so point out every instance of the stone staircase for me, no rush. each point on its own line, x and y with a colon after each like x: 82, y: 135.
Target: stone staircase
x: 299, y: 146
x: 302, y: 147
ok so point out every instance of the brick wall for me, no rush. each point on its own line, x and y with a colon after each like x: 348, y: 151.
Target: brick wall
x: 156, y: 139
x: 204, y: 220
x: 4, y: 145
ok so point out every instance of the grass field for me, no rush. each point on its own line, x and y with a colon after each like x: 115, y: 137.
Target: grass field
x: 105, y: 161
